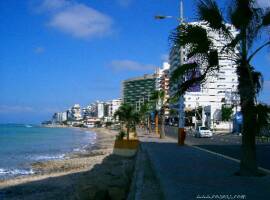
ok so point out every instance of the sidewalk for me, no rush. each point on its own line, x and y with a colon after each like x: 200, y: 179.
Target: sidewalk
x: 187, y: 173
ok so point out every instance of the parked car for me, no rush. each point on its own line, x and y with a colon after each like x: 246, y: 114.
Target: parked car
x: 203, y: 132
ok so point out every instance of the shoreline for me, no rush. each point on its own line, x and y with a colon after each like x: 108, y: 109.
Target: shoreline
x: 72, y: 162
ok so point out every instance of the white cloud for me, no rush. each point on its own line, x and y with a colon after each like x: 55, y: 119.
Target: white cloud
x: 124, y: 3
x: 39, y: 50
x: 130, y: 65
x: 15, y: 109
x: 76, y: 19
x: 264, y: 3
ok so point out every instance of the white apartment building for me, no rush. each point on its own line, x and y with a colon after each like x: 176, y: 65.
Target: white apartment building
x: 59, y: 117
x: 100, y: 109
x: 218, y: 88
x: 113, y: 106
x: 162, y: 81
x: 76, y: 112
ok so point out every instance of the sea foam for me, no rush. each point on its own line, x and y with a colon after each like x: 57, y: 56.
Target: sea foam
x: 14, y: 172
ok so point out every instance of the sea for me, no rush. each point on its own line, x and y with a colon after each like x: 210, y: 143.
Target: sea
x: 23, y: 144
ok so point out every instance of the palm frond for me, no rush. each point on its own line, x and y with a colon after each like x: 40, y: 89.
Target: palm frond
x: 230, y: 47
x: 257, y: 81
x: 266, y: 18
x: 213, y: 60
x: 263, y: 116
x: 240, y: 13
x: 209, y: 12
x: 174, y: 98
x: 193, y: 36
x: 181, y: 71
x: 183, y: 87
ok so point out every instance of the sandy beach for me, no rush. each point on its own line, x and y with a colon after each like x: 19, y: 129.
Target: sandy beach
x: 83, y: 175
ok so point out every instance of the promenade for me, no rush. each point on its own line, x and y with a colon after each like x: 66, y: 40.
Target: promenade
x: 187, y: 173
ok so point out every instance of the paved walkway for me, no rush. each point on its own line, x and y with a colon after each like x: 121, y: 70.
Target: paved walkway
x: 187, y: 173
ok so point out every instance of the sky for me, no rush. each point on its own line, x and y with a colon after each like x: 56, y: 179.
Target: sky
x: 55, y: 53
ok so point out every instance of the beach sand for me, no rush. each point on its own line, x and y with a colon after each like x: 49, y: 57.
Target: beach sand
x: 93, y: 174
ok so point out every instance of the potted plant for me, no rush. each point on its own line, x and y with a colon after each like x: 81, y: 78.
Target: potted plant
x: 129, y: 118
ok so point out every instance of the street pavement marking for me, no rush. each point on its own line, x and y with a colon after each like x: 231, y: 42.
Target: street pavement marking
x: 218, y: 154
x: 227, y: 157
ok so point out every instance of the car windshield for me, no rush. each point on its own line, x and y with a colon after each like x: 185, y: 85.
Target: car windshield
x: 204, y: 128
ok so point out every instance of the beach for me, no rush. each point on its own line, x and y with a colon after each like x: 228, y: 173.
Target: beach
x: 90, y: 174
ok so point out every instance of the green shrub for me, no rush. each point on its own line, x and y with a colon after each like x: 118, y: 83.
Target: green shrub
x: 121, y: 135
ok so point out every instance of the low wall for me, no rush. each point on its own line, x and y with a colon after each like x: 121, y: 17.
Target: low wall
x: 171, y: 131
x: 223, y: 126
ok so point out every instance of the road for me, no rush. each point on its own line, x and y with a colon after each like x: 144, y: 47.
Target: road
x: 230, y: 145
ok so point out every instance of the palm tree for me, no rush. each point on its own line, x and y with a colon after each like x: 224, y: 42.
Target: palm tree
x: 157, y: 99
x: 128, y: 116
x: 250, y: 22
x: 145, y: 115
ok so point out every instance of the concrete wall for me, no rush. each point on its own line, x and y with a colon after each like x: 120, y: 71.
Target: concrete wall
x: 171, y: 131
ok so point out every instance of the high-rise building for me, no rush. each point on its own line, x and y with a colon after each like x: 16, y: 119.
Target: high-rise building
x: 163, y: 79
x: 218, y: 87
x: 59, y: 117
x: 100, y: 109
x: 75, y: 112
x: 136, y: 91
x: 113, y: 106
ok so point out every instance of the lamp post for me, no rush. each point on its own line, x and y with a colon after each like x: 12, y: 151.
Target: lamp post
x: 181, y: 106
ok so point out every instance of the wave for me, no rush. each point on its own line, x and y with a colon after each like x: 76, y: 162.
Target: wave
x: 14, y: 172
x: 49, y: 157
x: 28, y: 126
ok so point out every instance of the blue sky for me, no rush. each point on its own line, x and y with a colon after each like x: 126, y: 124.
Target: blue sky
x: 55, y: 53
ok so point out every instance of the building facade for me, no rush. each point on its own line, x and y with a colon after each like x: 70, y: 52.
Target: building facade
x: 113, y: 106
x: 162, y: 83
x: 75, y: 113
x: 137, y: 90
x: 59, y: 117
x: 218, y: 88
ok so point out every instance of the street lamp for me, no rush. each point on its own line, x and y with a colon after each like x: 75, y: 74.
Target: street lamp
x: 181, y: 125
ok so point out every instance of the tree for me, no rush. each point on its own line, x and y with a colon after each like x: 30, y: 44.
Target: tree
x: 157, y: 99
x: 226, y: 113
x: 145, y: 114
x: 250, y: 21
x: 128, y: 116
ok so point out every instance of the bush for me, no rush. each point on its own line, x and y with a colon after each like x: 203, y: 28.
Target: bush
x: 226, y: 113
x: 121, y: 135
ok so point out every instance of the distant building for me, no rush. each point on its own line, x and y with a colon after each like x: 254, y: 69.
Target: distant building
x: 59, y: 117
x: 100, y: 109
x: 75, y: 113
x: 112, y: 107
x: 216, y: 90
x: 137, y: 90
x: 163, y: 81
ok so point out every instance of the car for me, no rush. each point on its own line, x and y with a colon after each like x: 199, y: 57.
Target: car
x: 202, y: 131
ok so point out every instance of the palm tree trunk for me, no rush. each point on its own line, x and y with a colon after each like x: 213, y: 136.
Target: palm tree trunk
x: 162, y: 133
x: 156, y: 123
x: 128, y: 128
x: 149, y: 124
x: 248, y: 164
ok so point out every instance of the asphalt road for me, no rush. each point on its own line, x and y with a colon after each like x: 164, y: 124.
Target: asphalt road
x: 230, y: 145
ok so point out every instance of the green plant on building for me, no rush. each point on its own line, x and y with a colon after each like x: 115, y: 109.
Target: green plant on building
x: 226, y: 113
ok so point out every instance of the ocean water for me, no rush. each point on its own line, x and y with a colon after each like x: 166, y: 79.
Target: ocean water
x: 21, y: 145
